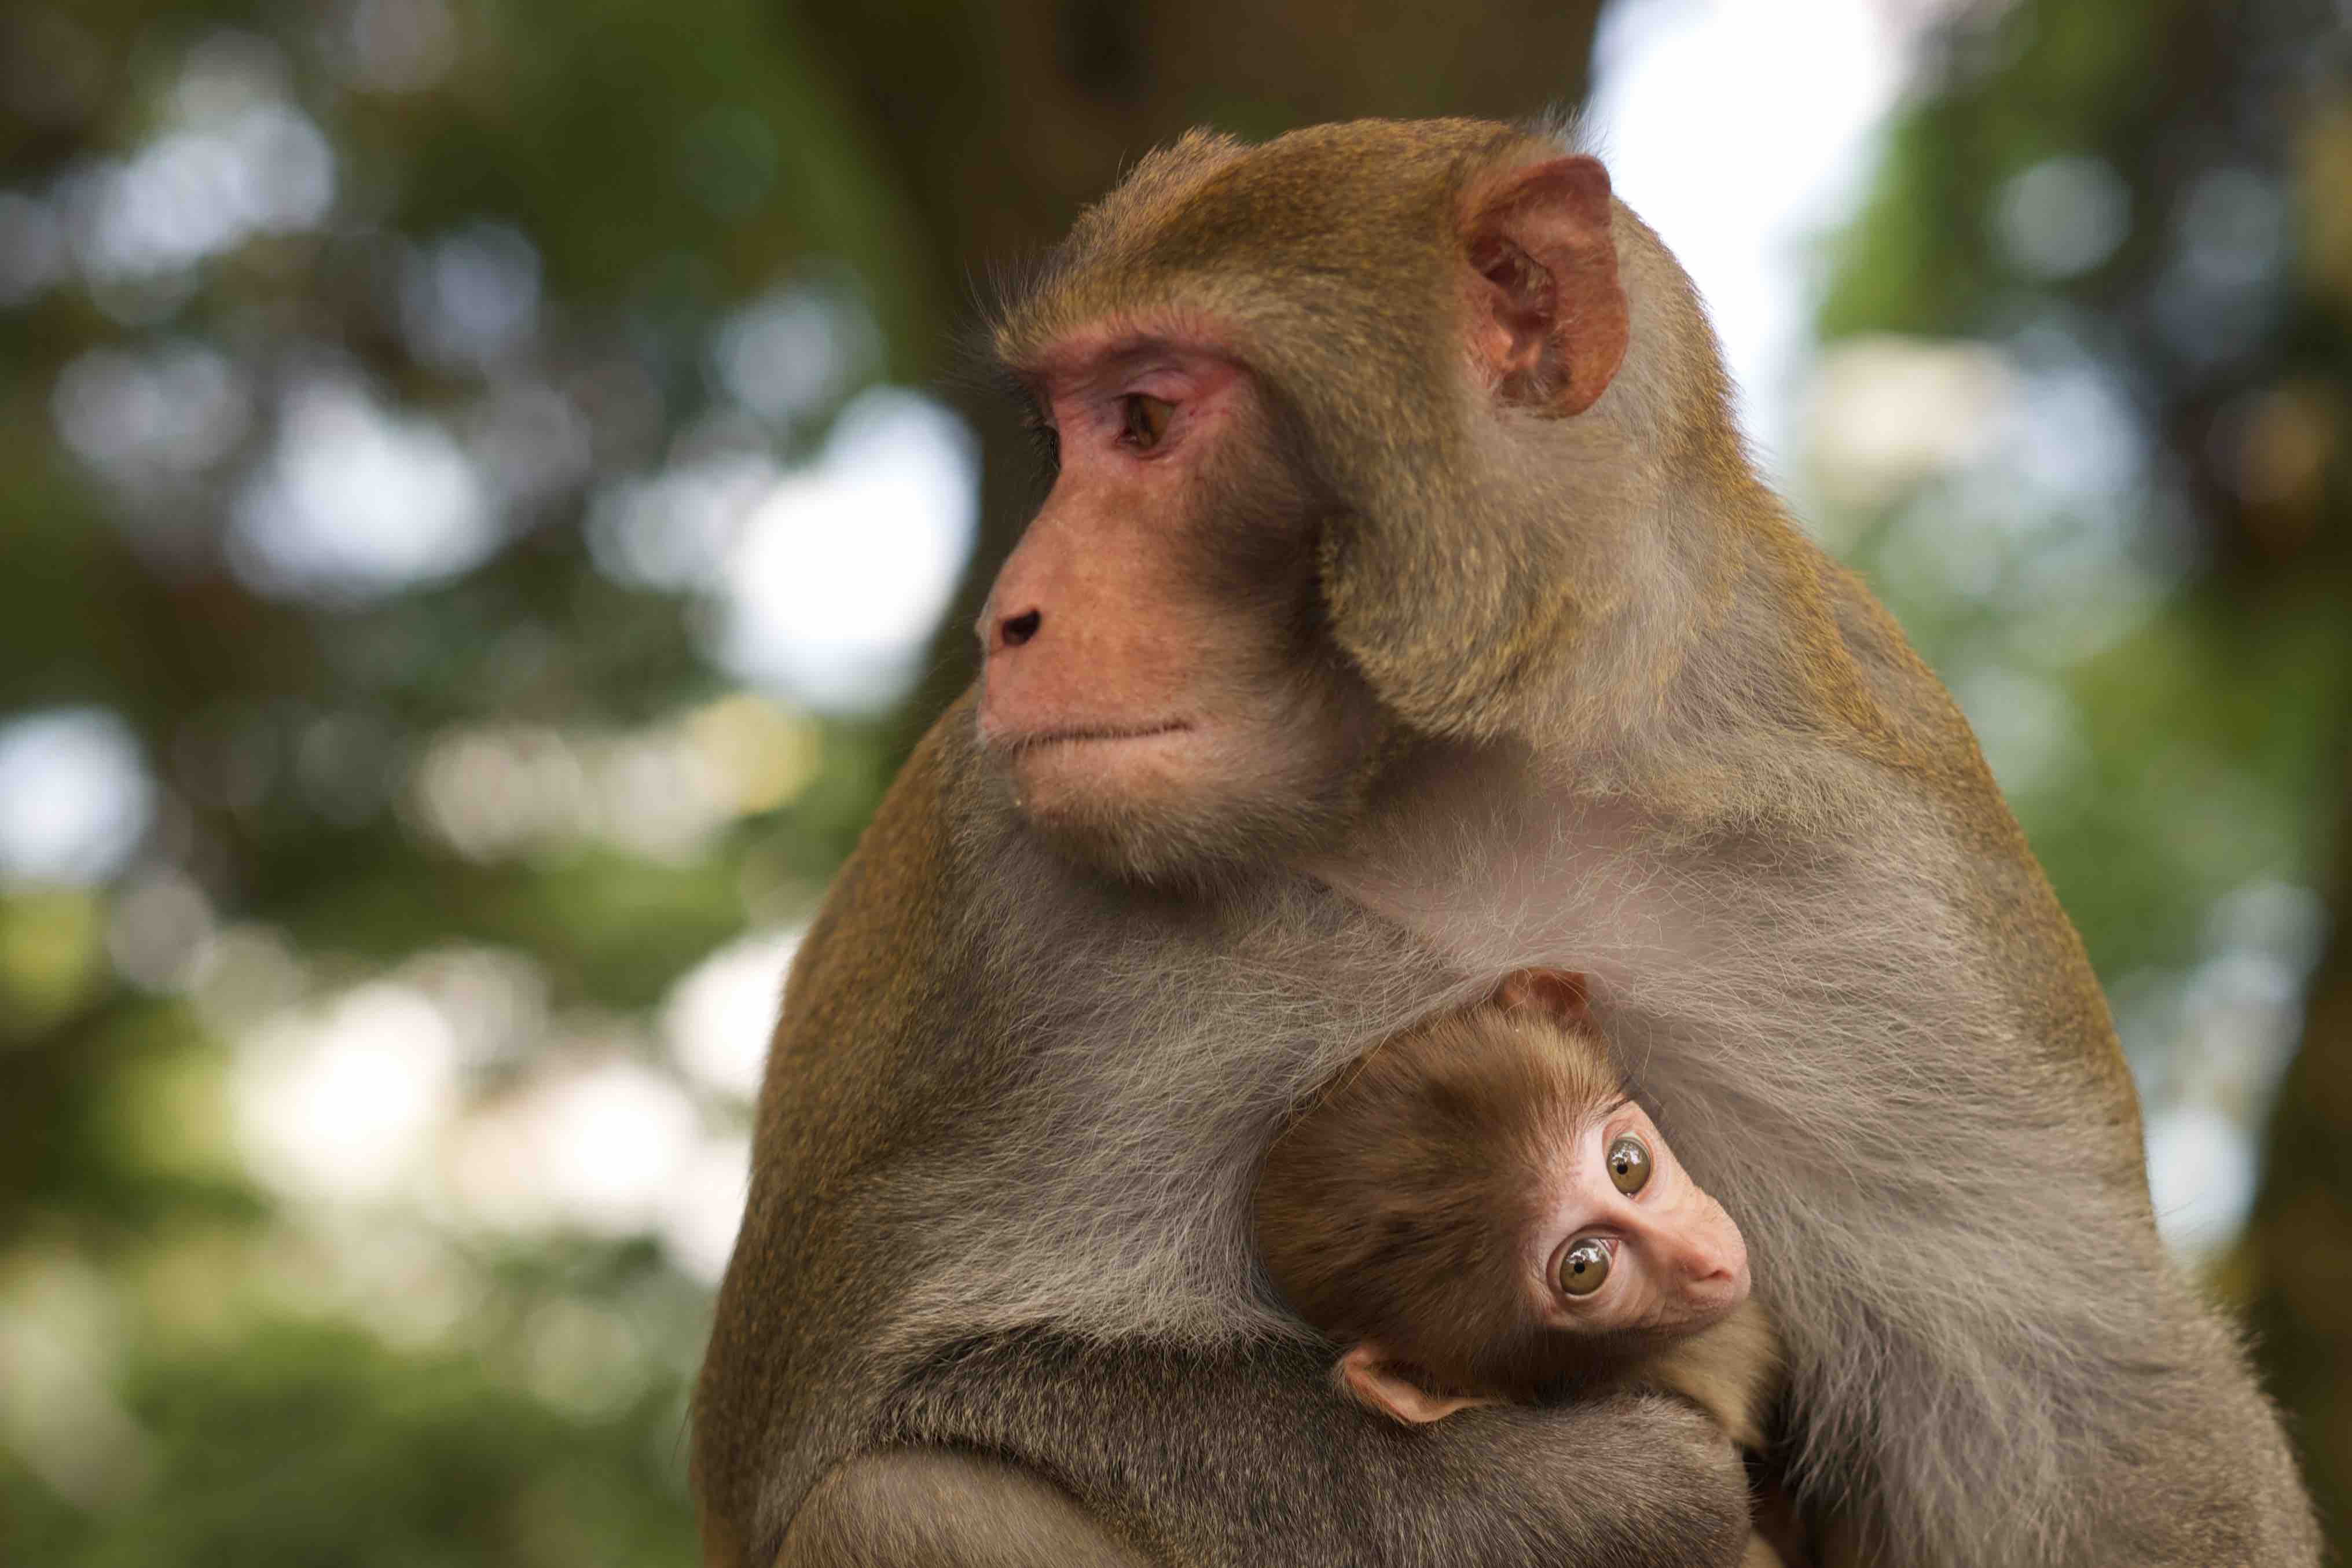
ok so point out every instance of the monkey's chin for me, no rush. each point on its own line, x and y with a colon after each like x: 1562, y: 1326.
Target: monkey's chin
x: 1088, y: 774
x: 1154, y: 809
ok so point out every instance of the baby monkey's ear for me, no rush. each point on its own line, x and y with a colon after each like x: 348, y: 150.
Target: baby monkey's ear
x: 1379, y: 1382
x: 1561, y: 994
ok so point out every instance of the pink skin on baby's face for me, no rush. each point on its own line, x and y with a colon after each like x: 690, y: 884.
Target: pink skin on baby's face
x: 1629, y: 1243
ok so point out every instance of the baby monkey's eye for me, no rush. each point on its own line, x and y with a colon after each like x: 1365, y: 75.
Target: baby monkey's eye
x: 1629, y: 1163
x: 1583, y: 1265
x: 1143, y: 419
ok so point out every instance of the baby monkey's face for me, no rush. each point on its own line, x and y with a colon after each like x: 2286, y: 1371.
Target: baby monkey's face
x: 1625, y: 1242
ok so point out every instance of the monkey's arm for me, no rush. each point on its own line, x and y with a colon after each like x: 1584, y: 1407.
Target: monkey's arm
x: 1629, y: 1480
x: 931, y: 1508
x: 1232, y: 1461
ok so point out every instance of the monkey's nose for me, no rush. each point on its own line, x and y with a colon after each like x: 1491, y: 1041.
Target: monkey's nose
x: 1015, y: 630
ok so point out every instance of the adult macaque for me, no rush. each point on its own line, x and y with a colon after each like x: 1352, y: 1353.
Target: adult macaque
x: 1404, y: 611
x: 1477, y: 1211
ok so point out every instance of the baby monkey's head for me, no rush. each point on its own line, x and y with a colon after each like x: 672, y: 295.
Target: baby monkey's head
x: 1478, y: 1210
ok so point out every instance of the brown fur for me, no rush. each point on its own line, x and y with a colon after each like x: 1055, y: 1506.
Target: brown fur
x: 1333, y: 310
x: 1000, y: 1203
x: 1394, y: 1209
x: 883, y: 1095
x: 913, y: 1509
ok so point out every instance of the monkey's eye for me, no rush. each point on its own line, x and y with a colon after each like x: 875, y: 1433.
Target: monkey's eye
x: 1629, y: 1163
x: 1583, y: 1267
x: 1143, y: 419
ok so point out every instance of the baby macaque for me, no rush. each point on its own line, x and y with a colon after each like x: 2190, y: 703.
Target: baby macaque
x: 1478, y: 1213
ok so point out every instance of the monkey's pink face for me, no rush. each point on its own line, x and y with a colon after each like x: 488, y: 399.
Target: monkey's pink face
x: 1630, y: 1244
x: 1153, y: 679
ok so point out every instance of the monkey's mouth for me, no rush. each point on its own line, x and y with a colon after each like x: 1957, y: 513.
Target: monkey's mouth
x: 1023, y: 746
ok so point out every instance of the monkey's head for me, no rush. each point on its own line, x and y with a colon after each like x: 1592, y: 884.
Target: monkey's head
x: 1331, y: 422
x: 1478, y: 1210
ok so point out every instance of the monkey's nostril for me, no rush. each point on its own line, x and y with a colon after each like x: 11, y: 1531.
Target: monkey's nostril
x: 1018, y: 629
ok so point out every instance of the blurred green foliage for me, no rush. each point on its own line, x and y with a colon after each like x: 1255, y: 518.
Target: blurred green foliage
x: 304, y: 1443
x: 194, y: 1378
x: 2211, y: 725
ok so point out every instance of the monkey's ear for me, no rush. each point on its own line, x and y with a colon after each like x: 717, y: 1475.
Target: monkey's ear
x: 1547, y: 317
x: 1373, y: 1379
x: 1562, y: 994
